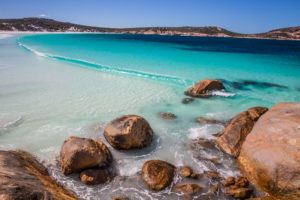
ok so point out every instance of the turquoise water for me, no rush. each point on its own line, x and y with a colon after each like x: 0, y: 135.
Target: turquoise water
x: 56, y: 85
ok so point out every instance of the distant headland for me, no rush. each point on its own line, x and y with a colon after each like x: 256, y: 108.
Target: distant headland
x: 50, y: 25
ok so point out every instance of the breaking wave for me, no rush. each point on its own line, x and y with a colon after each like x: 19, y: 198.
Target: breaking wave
x: 110, y: 69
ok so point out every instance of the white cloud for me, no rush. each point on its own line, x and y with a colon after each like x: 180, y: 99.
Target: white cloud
x: 42, y: 15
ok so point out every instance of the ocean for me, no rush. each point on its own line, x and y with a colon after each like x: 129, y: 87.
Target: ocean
x: 53, y: 86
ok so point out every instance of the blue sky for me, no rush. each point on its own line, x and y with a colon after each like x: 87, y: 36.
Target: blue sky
x: 247, y: 16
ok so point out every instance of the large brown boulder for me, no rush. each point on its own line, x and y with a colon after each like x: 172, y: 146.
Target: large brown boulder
x: 78, y: 154
x: 204, y: 88
x: 270, y: 155
x: 157, y: 174
x: 128, y: 132
x: 22, y: 177
x: 237, y: 130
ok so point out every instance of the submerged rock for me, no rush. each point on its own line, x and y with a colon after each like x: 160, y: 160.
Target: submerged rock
x: 237, y: 130
x: 23, y: 177
x: 187, y: 100
x: 240, y: 193
x: 157, y: 174
x: 270, y: 155
x: 205, y: 120
x: 78, y: 154
x: 96, y: 176
x: 187, y: 188
x: 167, y: 115
x: 204, y: 88
x: 128, y: 132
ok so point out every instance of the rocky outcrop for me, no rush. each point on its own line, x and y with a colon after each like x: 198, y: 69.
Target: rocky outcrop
x: 96, y: 176
x: 23, y: 177
x: 158, y: 174
x: 78, y: 154
x: 128, y: 132
x: 204, y: 88
x: 270, y: 155
x: 237, y: 130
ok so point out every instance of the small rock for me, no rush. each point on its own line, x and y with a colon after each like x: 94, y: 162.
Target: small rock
x: 229, y: 181
x: 128, y: 132
x: 187, y: 188
x: 78, y: 154
x: 185, y: 171
x: 205, y: 120
x: 187, y: 100
x: 157, y: 174
x: 213, y: 189
x: 213, y: 175
x: 241, y: 193
x: 242, y: 182
x: 167, y: 115
x: 95, y: 176
x: 204, y: 88
x: 120, y: 198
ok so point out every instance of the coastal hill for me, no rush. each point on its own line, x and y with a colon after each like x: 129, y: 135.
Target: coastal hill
x: 50, y: 25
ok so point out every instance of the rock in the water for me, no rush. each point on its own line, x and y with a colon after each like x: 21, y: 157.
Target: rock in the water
x: 270, y: 155
x: 78, y: 154
x: 185, y: 171
x: 212, y: 175
x: 23, y: 177
x: 128, y: 132
x: 187, y: 100
x: 187, y: 188
x: 157, y: 174
x: 240, y: 193
x: 96, y: 176
x: 237, y: 130
x: 229, y: 181
x: 205, y: 120
x: 204, y: 88
x: 167, y: 115
x: 242, y: 182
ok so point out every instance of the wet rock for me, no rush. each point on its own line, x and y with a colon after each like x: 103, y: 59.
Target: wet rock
x: 23, y: 177
x: 202, y: 143
x: 187, y: 188
x: 205, y: 120
x: 128, y: 132
x: 240, y: 193
x: 270, y: 156
x: 213, y: 189
x: 186, y: 171
x: 158, y: 174
x: 213, y: 175
x: 120, y: 198
x: 167, y: 115
x: 187, y: 100
x: 242, y: 182
x: 78, y: 154
x: 96, y: 176
x: 204, y: 88
x: 237, y: 130
x: 229, y: 181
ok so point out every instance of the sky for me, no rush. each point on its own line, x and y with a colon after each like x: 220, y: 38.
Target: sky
x: 244, y: 16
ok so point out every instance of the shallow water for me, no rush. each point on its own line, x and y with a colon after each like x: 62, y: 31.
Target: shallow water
x: 56, y: 85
